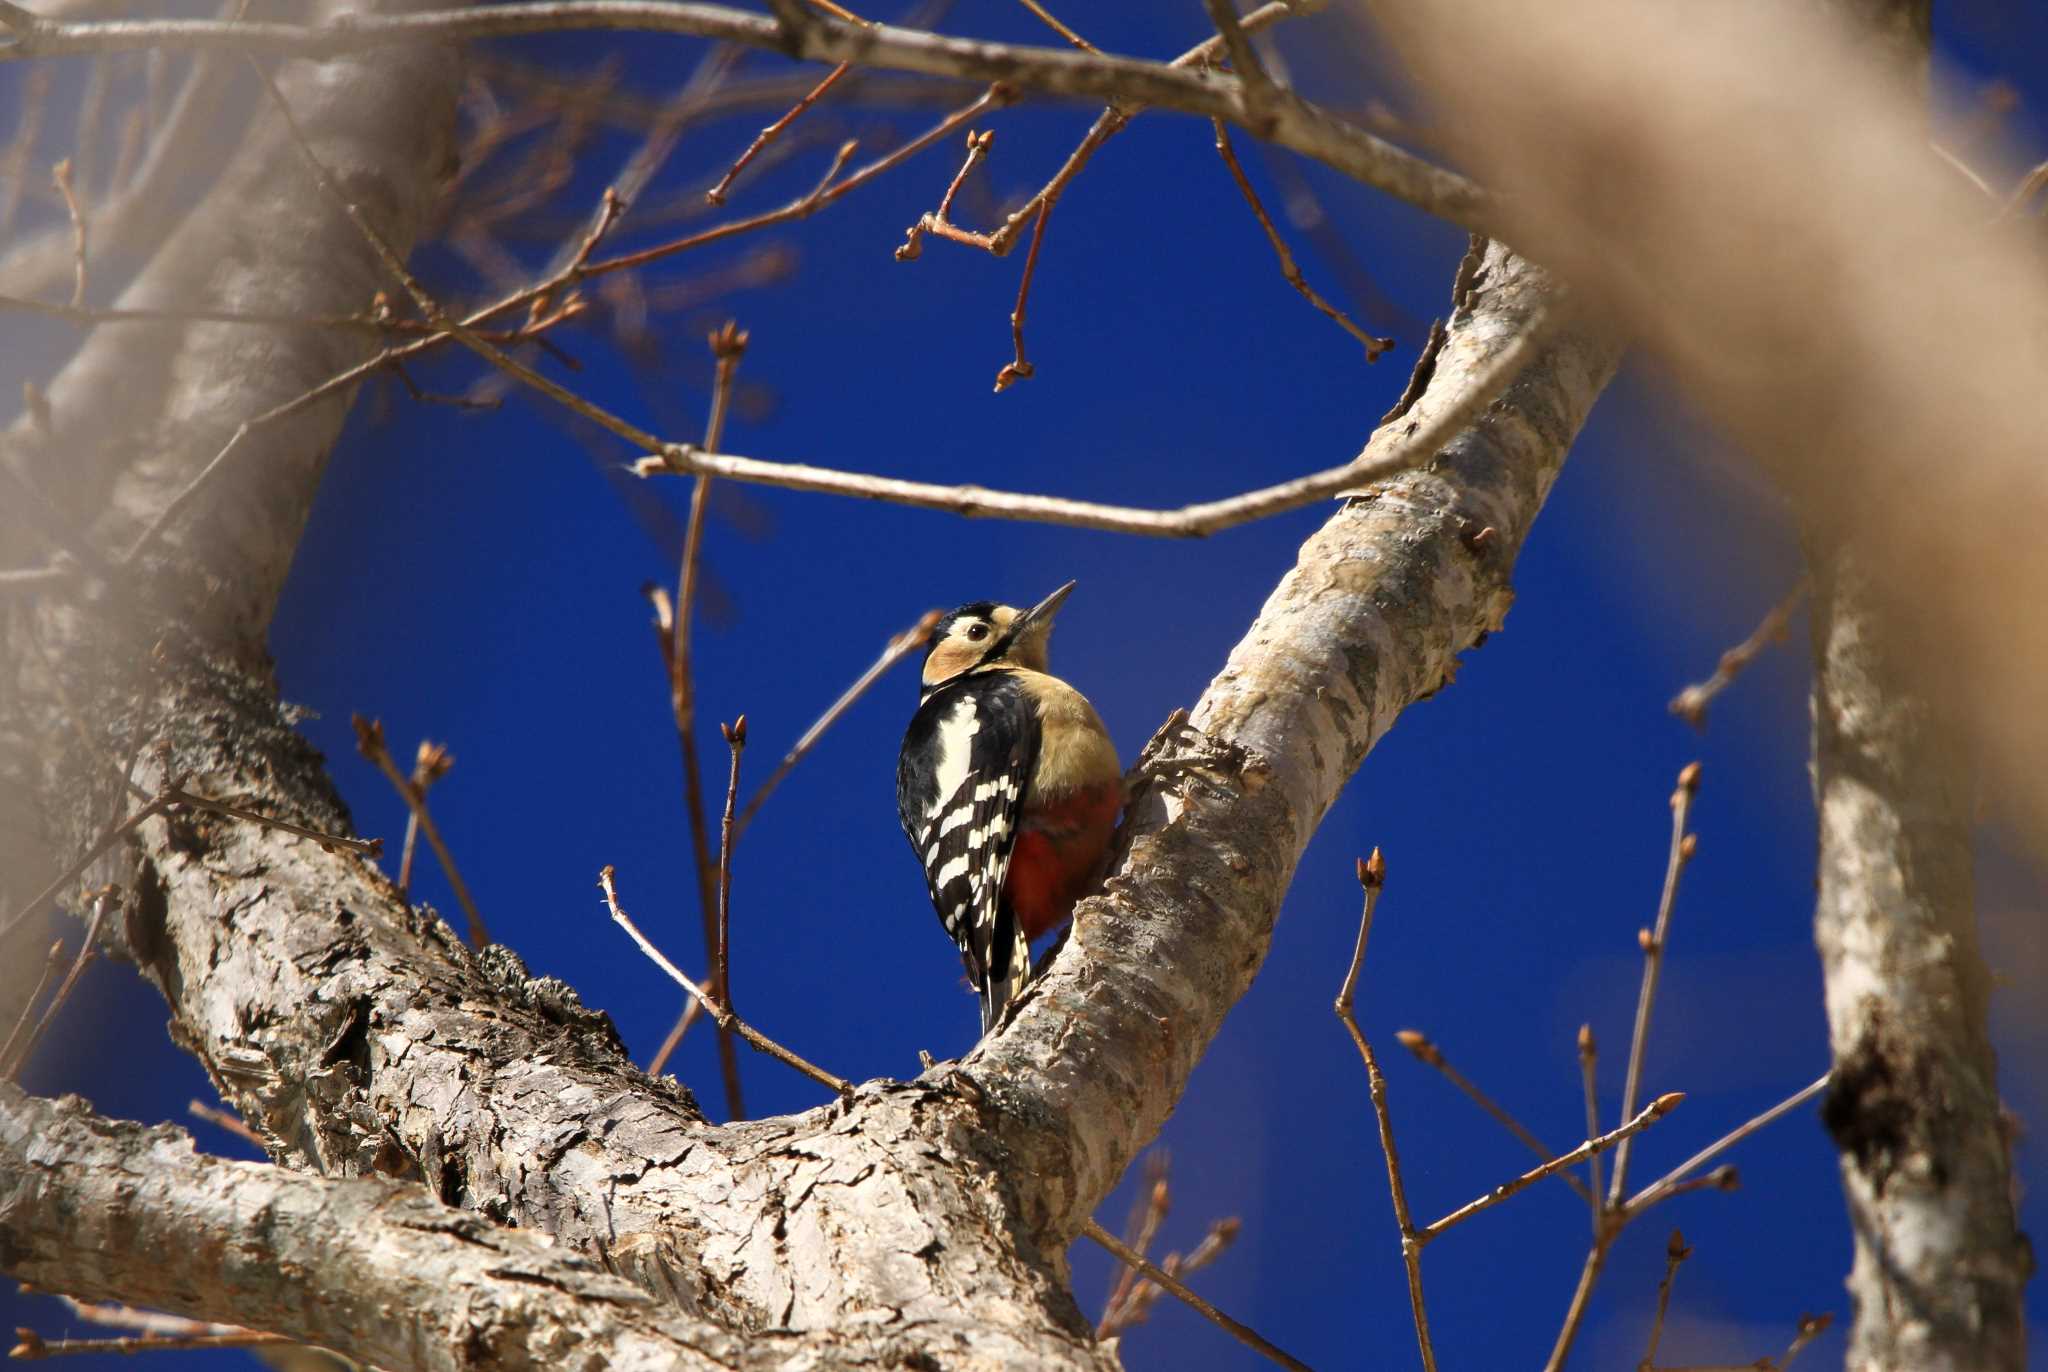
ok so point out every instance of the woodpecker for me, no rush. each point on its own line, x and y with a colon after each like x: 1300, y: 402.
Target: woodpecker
x: 1008, y: 788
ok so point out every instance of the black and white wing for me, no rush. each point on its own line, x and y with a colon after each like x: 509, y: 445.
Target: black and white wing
x: 960, y: 779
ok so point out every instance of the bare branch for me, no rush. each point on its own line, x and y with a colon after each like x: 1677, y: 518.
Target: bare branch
x: 1288, y: 267
x: 1394, y: 448
x: 227, y: 1120
x: 1425, y: 1049
x: 10, y: 1068
x: 723, y: 1016
x: 1664, y: 1186
x: 1651, y: 1113
x: 28, y: 1007
x: 728, y: 344
x: 735, y: 741
x: 30, y: 1345
x: 1017, y: 369
x: 899, y: 647
x: 1589, y: 1058
x: 1288, y: 121
x: 370, y: 743
x: 1675, y: 1252
x: 61, y: 175
x: 1691, y: 703
x: 716, y: 195
x: 1372, y: 877
x: 1244, y: 1334
x: 1653, y: 941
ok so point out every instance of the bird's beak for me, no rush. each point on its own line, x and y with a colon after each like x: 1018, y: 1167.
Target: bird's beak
x: 1040, y: 615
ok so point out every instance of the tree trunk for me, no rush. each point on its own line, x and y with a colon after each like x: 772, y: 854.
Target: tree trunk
x: 1940, y: 1266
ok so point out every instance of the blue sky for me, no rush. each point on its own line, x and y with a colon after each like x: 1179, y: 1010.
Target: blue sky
x: 473, y: 578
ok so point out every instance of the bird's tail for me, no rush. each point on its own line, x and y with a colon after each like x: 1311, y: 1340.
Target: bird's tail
x: 1009, y: 969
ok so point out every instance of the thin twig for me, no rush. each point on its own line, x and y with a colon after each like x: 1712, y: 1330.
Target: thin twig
x: 1652, y: 941
x: 693, y: 1010
x: 1136, y: 1306
x: 1052, y: 22
x: 1249, y: 1337
x: 724, y: 1017
x: 727, y: 344
x: 1394, y: 448
x: 108, y: 838
x: 1665, y: 1185
x: 61, y: 174
x: 1589, y: 1057
x: 1722, y: 1178
x: 29, y: 1345
x: 1114, y: 119
x: 1148, y: 1211
x: 899, y: 647
x: 430, y: 763
x: 1691, y: 703
x: 146, y: 1321
x: 1582, y: 1297
x: 1289, y: 268
x: 1372, y: 876
x: 1810, y: 1328
x: 222, y: 1119
x: 176, y: 794
x: 1426, y: 1049
x: 1675, y: 1252
x: 1017, y: 369
x: 28, y: 1007
x: 940, y: 220
x: 736, y: 743
x: 87, y: 951
x: 34, y: 578
x: 2029, y: 186
x: 1651, y: 1113
x: 370, y: 743
x: 716, y: 195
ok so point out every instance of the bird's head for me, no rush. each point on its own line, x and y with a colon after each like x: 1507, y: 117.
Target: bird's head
x: 985, y: 635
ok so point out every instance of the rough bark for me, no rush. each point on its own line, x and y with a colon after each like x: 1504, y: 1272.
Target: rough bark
x: 377, y: 1267
x: 1940, y: 1266
x: 917, y: 1221
x: 1371, y: 619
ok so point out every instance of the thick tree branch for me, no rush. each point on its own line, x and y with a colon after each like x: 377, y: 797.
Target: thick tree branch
x: 1382, y: 600
x: 365, y: 1268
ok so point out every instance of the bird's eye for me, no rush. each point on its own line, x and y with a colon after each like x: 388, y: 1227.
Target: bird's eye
x: 978, y: 632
